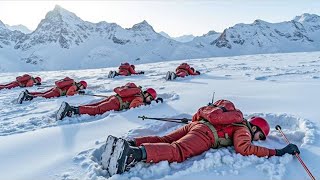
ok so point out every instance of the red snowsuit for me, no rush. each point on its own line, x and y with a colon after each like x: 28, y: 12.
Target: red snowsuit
x: 22, y: 81
x: 197, y: 137
x: 57, y: 92
x: 126, y: 70
x: 184, y: 70
x: 128, y: 96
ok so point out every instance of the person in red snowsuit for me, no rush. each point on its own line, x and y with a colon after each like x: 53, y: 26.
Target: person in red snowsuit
x: 128, y: 96
x: 69, y: 89
x: 22, y: 81
x: 214, y: 126
x: 184, y: 69
x: 126, y: 69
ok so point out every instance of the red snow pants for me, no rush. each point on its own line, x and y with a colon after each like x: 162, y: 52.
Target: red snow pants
x: 181, y: 74
x: 111, y: 103
x: 187, y: 141
x: 53, y: 92
x: 10, y: 85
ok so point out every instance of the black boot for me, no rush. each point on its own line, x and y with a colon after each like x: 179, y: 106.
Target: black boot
x: 75, y: 110
x: 124, y: 157
x: 64, y: 110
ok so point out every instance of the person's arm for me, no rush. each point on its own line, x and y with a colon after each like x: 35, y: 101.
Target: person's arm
x: 72, y: 91
x: 132, y: 71
x: 242, y: 144
x: 138, y: 101
x: 30, y: 83
x: 190, y: 71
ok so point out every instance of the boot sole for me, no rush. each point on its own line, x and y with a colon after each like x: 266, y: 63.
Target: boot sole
x: 106, y: 155
x: 21, y: 97
x: 118, y: 158
x: 60, y: 111
x: 168, y: 76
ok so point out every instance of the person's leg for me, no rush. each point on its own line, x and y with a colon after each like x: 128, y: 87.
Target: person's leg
x: 198, y: 140
x: 109, y: 104
x: 51, y: 94
x: 40, y: 93
x: 181, y: 74
x: 169, y: 138
x: 11, y: 85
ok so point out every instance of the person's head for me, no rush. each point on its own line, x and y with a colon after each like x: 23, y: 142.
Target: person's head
x: 82, y: 85
x: 37, y: 80
x: 150, y: 94
x: 133, y: 67
x: 259, y: 127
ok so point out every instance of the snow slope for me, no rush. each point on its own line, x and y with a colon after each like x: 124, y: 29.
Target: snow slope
x: 283, y: 88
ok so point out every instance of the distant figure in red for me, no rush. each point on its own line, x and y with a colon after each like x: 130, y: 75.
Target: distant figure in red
x: 182, y: 70
x: 22, y: 81
x: 125, y: 69
x: 63, y: 87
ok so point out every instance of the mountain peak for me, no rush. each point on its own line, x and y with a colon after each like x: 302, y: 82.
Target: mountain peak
x: 142, y: 26
x: 2, y: 25
x: 306, y: 17
x: 59, y: 14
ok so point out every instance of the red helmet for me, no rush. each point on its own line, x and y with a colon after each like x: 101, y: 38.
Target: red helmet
x: 261, y: 123
x: 133, y: 67
x: 84, y: 84
x: 38, y: 79
x: 152, y: 92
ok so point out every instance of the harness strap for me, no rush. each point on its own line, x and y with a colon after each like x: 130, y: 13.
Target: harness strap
x: 122, y: 104
x: 213, y: 130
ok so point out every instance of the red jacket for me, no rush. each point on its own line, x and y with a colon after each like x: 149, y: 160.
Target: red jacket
x: 222, y: 122
x: 184, y: 67
x: 126, y: 70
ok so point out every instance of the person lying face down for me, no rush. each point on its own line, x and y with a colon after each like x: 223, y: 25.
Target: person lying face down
x: 63, y: 87
x: 22, y: 81
x: 126, y: 97
x: 213, y: 126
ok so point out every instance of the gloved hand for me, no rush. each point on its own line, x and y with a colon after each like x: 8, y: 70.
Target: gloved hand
x: 141, y: 72
x: 81, y: 92
x: 198, y: 72
x: 38, y: 84
x: 159, y: 100
x: 289, y: 149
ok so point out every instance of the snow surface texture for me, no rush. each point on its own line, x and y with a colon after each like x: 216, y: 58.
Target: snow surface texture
x: 64, y: 41
x: 283, y: 88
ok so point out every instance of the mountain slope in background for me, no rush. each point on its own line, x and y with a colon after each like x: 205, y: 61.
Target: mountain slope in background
x: 64, y: 41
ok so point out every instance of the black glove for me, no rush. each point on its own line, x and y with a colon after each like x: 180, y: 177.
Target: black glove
x: 141, y: 72
x: 198, y: 72
x: 159, y: 100
x: 38, y: 84
x: 81, y: 92
x: 289, y: 149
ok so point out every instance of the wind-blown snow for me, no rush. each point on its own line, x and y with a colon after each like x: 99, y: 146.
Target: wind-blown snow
x: 282, y: 88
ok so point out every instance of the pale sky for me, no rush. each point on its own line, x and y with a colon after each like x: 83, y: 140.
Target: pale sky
x: 175, y: 17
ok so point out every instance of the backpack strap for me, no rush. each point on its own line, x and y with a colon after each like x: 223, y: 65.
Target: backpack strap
x: 214, y: 132
x: 226, y: 141
x: 123, y: 105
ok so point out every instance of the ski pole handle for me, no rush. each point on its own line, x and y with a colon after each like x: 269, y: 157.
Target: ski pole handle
x: 278, y: 127
x: 183, y: 120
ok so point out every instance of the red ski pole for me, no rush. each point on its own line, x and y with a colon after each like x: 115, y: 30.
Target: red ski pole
x: 297, y: 155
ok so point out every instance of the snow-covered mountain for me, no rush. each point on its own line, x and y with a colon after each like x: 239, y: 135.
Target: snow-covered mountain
x: 62, y: 40
x: 19, y: 27
x: 299, y: 34
x: 183, y: 38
